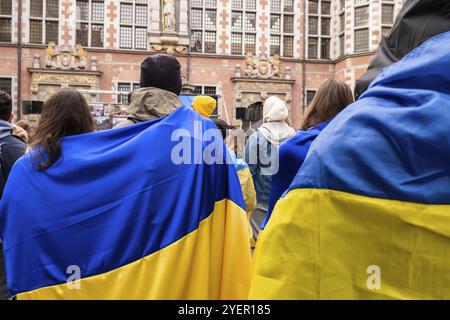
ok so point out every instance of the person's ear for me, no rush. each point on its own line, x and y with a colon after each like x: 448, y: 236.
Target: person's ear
x: 11, y: 117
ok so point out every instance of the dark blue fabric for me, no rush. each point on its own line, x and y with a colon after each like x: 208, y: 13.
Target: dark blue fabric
x: 114, y: 197
x: 292, y: 153
x: 393, y: 143
x: 11, y: 149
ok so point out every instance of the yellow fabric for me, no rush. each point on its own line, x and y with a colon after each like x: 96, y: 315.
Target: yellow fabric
x: 248, y: 190
x: 322, y: 244
x: 204, y: 105
x: 213, y: 262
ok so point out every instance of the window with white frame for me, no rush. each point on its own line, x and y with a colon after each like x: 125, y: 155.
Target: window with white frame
x: 127, y: 88
x: 133, y: 24
x: 282, y: 21
x: 361, y: 27
x: 90, y: 23
x: 319, y: 29
x: 205, y: 90
x: 243, y: 26
x: 5, y: 20
x: 203, y: 26
x: 44, y: 21
x: 387, y: 16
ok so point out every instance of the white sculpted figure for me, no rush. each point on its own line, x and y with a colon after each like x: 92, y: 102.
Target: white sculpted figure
x: 169, y: 15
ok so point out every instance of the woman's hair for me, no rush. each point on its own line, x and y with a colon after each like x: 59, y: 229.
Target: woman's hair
x: 64, y: 114
x: 331, y: 98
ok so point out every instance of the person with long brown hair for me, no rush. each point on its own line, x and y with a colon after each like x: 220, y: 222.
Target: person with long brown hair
x: 64, y: 114
x: 331, y: 98
x: 106, y: 209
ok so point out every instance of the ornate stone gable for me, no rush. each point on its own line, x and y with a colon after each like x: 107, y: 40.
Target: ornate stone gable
x: 65, y: 58
x: 261, y: 78
x: 63, y: 67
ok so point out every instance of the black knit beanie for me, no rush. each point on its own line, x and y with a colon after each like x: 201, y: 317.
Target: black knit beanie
x: 163, y: 72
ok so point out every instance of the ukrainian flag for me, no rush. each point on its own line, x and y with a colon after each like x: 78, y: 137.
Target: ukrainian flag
x: 368, y: 215
x: 117, y: 211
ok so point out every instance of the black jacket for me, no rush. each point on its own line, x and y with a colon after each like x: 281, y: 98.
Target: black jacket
x: 11, y: 149
x: 418, y: 21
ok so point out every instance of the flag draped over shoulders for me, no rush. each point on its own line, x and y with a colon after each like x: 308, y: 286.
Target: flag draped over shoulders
x: 135, y: 224
x: 368, y: 214
x: 292, y: 153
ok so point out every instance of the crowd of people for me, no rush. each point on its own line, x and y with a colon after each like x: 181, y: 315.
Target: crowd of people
x: 110, y: 215
x: 67, y: 114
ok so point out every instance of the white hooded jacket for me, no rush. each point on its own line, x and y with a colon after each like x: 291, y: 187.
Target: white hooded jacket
x: 275, y: 129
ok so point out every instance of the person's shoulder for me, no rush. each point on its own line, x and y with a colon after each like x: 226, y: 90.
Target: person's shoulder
x: 300, y: 138
x: 12, y: 142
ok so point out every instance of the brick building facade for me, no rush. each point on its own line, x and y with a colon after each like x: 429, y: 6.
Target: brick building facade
x: 242, y: 50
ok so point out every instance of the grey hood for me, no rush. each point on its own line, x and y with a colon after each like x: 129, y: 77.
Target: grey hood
x: 5, y: 129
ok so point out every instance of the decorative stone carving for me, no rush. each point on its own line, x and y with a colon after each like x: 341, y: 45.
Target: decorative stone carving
x: 34, y: 89
x: 50, y: 54
x: 81, y: 54
x: 94, y: 64
x: 262, y: 67
x: 276, y: 66
x: 169, y: 49
x: 287, y: 73
x: 38, y: 77
x: 64, y: 67
x: 248, y: 90
x: 169, y: 22
x: 237, y: 71
x: 264, y: 95
x: 65, y: 58
x: 36, y: 61
x: 250, y: 66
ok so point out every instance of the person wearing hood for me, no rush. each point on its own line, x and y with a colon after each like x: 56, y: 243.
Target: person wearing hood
x: 20, y: 133
x: 332, y: 97
x: 204, y: 105
x: 417, y: 22
x: 160, y: 85
x: 22, y: 130
x: 11, y: 149
x: 261, y: 155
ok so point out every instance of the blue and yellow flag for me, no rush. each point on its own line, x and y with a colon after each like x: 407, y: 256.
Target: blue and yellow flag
x: 118, y: 218
x: 368, y: 215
